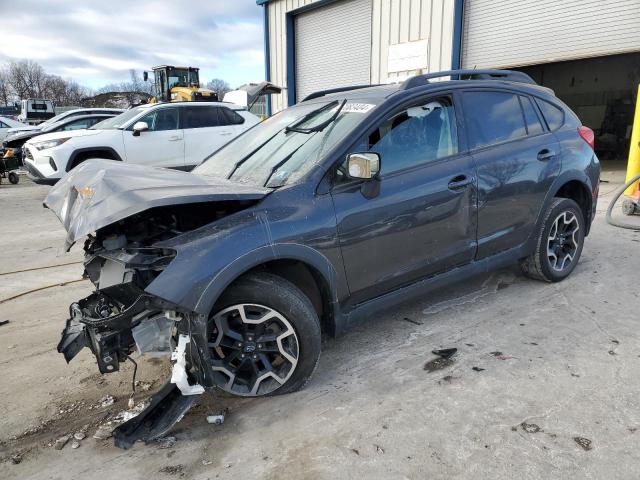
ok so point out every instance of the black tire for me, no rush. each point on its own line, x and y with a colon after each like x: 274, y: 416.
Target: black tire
x: 540, y: 264
x: 13, y: 178
x: 283, y: 297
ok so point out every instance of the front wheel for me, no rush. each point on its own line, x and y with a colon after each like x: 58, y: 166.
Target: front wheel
x: 13, y: 178
x: 265, y: 337
x: 559, y: 242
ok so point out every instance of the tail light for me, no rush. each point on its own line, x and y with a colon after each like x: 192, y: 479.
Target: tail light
x: 588, y: 136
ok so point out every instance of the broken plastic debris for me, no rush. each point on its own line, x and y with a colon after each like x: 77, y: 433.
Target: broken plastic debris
x: 179, y: 372
x: 216, y: 419
x: 79, y: 436
x: 61, y: 442
x: 445, y: 352
x: 75, y: 444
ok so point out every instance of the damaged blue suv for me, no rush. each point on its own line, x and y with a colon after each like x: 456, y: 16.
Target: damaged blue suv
x: 350, y: 202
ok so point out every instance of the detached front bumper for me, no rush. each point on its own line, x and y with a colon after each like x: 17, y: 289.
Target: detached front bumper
x: 114, y: 322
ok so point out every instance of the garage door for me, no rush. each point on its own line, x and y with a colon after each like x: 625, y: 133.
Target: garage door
x: 503, y: 33
x: 333, y: 46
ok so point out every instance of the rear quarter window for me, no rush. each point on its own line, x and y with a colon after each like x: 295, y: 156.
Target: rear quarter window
x: 553, y: 115
x: 492, y: 117
x: 231, y: 117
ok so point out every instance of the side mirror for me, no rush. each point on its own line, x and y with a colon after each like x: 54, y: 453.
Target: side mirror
x: 139, y: 127
x: 363, y: 166
x: 145, y: 76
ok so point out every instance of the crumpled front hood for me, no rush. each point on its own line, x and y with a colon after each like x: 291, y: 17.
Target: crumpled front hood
x: 101, y: 192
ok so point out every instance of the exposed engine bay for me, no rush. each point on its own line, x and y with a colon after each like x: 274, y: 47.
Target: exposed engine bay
x: 120, y: 318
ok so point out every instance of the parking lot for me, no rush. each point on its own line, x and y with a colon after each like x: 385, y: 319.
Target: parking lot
x: 544, y: 383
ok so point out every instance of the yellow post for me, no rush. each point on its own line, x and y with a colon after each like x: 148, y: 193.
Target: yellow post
x: 633, y: 165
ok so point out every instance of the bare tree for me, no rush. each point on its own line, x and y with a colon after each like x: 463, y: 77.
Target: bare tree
x: 6, y: 94
x: 219, y: 86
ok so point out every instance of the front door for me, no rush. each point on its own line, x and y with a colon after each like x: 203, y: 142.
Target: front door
x: 517, y: 159
x: 422, y: 219
x: 160, y: 146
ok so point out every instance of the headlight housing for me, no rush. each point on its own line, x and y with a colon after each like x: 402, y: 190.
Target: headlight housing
x: 49, y: 143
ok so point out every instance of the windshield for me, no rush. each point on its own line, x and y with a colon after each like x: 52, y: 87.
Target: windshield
x: 119, y: 121
x: 286, y: 146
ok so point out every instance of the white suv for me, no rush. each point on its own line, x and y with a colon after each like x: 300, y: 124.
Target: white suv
x: 173, y: 135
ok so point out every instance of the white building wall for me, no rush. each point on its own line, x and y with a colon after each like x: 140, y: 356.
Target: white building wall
x: 393, y: 22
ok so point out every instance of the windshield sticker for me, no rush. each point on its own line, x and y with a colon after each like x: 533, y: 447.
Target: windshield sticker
x: 357, y: 107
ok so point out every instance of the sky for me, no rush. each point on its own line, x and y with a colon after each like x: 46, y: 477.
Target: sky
x: 97, y: 42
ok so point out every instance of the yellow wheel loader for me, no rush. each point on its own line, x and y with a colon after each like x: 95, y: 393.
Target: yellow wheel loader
x: 179, y: 84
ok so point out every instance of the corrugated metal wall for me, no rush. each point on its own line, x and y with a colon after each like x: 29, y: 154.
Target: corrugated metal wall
x: 392, y: 22
x: 399, y: 21
x: 506, y: 33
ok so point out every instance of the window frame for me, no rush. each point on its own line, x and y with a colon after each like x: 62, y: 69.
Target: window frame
x: 537, y: 101
x: 423, y: 98
x: 538, y: 114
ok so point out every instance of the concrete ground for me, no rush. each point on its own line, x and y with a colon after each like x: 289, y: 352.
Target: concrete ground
x: 544, y: 384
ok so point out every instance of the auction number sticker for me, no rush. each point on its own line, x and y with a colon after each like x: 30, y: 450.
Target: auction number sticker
x: 357, y: 107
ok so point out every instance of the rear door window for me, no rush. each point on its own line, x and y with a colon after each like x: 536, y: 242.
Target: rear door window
x: 200, y: 117
x: 492, y: 117
x: 534, y: 126
x: 552, y: 114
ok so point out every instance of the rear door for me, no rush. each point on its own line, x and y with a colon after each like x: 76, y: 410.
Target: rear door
x: 422, y: 221
x: 517, y: 160
x: 160, y: 146
x: 206, y: 129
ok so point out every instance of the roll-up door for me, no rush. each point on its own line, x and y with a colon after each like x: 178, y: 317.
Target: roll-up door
x: 333, y: 46
x: 504, y: 33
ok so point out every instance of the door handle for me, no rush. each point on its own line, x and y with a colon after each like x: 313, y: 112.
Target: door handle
x: 460, y: 182
x: 225, y: 134
x: 175, y: 138
x: 546, y: 154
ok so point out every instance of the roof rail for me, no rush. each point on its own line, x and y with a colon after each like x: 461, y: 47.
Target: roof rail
x: 322, y: 93
x: 506, y: 75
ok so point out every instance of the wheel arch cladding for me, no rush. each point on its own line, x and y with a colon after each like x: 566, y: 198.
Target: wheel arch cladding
x: 580, y: 193
x: 83, y: 154
x: 305, y: 267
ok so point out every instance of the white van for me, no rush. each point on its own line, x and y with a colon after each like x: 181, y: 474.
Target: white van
x: 36, y: 110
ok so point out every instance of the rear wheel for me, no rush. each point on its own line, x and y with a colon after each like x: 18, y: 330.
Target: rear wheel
x: 265, y: 337
x: 13, y: 178
x: 559, y: 242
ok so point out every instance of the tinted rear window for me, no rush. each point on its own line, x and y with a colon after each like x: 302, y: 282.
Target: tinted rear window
x: 552, y: 114
x: 200, y: 117
x: 492, y: 117
x: 533, y: 121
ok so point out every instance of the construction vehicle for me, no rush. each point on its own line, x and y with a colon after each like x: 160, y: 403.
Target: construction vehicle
x: 179, y: 84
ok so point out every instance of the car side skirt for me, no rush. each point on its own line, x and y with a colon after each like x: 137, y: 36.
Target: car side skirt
x: 416, y: 290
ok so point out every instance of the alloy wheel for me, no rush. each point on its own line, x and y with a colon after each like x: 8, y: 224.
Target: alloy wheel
x: 562, y: 243
x: 254, y: 349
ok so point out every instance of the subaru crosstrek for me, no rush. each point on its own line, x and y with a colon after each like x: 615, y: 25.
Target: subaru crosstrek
x: 338, y: 207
